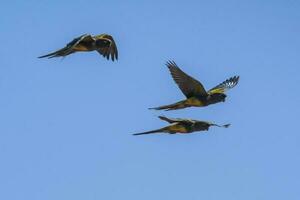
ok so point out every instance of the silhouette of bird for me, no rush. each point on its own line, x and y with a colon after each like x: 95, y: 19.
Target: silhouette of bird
x: 183, y: 126
x: 104, y: 44
x: 196, y: 95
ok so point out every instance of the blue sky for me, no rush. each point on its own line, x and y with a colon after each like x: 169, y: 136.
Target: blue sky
x: 67, y: 124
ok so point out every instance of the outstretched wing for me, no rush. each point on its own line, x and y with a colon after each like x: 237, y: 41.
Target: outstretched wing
x: 76, y: 41
x: 224, y: 86
x: 176, y: 120
x: 68, y: 49
x: 109, y: 50
x: 188, y: 85
x: 170, y: 120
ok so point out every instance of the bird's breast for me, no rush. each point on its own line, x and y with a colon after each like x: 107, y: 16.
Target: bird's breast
x: 177, y: 128
x: 193, y: 101
x: 85, y: 46
x: 82, y: 48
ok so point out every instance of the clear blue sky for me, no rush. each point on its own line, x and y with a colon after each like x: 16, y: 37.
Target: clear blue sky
x: 66, y: 125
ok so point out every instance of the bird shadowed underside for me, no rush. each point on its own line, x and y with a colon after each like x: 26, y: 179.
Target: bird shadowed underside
x: 104, y: 44
x: 183, y: 126
x: 194, y: 91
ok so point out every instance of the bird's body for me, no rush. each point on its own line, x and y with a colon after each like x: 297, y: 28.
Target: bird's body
x: 189, y: 102
x: 104, y: 44
x: 183, y: 126
x: 196, y: 95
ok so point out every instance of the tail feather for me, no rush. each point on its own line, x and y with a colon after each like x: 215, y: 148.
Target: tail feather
x: 50, y: 55
x: 62, y: 52
x: 149, y: 132
x: 174, y: 106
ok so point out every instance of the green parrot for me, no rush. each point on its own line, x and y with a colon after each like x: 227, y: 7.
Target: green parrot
x: 183, y: 126
x: 196, y: 95
x: 104, y: 44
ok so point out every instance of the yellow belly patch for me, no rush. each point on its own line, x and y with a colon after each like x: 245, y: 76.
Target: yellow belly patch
x: 177, y: 128
x: 194, y: 102
x: 81, y: 48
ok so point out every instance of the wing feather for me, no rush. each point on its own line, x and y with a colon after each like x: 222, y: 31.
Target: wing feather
x: 108, y: 51
x: 224, y: 86
x: 187, y: 84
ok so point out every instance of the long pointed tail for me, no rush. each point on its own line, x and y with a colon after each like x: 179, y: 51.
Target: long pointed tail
x: 174, y: 106
x: 62, y: 52
x: 149, y: 132
x: 50, y: 55
x: 222, y: 126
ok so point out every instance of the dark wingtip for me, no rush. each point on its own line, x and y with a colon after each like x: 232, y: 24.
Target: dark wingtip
x: 170, y: 63
x: 114, y: 58
x: 226, y: 125
x: 236, y: 78
x: 162, y: 117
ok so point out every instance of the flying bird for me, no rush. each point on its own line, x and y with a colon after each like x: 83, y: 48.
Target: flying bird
x: 183, y: 126
x: 196, y: 95
x: 104, y: 44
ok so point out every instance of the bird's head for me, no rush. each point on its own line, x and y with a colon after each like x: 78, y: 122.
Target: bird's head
x: 217, y: 97
x: 201, y: 126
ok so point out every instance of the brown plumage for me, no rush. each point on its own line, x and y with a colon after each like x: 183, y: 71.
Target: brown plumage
x: 183, y: 126
x: 196, y: 95
x: 104, y: 44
